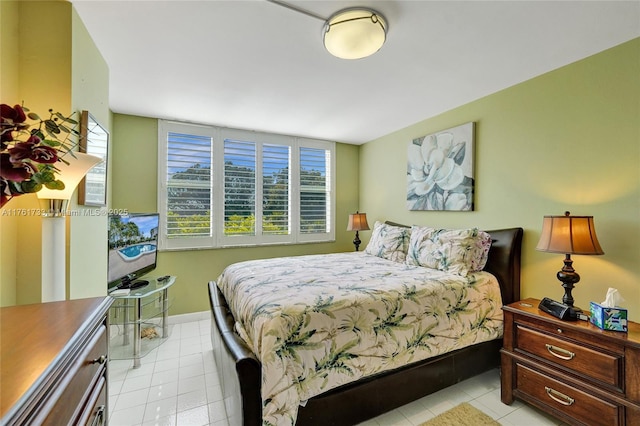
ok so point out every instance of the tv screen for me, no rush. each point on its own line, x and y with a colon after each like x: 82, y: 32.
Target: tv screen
x: 133, y: 242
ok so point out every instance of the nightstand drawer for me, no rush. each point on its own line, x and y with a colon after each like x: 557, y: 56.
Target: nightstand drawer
x: 588, y: 362
x: 566, y: 399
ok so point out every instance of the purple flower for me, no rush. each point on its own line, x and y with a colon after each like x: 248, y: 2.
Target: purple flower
x: 32, y: 151
x: 17, y: 172
x: 10, y: 119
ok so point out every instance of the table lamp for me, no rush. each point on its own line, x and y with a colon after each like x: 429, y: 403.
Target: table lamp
x: 569, y: 235
x: 357, y: 222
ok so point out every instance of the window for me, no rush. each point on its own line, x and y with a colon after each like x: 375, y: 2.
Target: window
x: 222, y: 187
x: 314, y: 190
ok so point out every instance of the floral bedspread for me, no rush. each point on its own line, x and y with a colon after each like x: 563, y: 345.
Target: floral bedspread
x: 318, y: 322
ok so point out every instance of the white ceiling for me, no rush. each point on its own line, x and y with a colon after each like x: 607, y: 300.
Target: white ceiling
x: 260, y: 66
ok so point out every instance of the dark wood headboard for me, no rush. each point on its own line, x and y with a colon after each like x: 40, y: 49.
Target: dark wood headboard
x: 504, y: 261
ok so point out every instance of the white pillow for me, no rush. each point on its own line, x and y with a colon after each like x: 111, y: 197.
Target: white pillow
x: 457, y: 251
x: 389, y: 242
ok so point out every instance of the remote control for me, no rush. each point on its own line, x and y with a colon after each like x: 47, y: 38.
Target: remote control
x: 166, y: 277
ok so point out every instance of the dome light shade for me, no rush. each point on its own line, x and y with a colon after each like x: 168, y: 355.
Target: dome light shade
x: 354, y: 33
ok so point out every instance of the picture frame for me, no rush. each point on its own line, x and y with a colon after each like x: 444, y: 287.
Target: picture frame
x: 94, y: 140
x: 440, y: 170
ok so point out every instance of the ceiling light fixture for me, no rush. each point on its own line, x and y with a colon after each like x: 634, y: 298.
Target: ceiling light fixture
x: 355, y: 33
x: 352, y: 33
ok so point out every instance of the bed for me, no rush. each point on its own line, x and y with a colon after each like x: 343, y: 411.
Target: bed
x: 367, y: 395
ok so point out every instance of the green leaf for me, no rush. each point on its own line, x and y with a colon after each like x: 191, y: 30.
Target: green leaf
x: 38, y: 133
x: 31, y: 186
x: 33, y: 116
x: 44, y: 176
x: 52, y: 126
x: 56, y: 184
x: 51, y: 143
x: 66, y: 119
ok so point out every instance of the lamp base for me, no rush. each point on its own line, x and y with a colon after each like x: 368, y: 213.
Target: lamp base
x: 53, y: 282
x: 568, y: 276
x: 356, y: 241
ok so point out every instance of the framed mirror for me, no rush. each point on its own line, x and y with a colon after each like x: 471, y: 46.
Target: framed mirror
x: 94, y: 140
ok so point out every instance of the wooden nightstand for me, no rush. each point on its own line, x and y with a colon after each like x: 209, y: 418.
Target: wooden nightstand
x: 572, y: 370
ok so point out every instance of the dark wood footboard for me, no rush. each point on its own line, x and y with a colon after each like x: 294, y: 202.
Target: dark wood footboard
x: 240, y: 370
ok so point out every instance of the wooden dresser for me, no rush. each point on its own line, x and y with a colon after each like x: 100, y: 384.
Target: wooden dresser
x: 53, y: 364
x: 572, y: 370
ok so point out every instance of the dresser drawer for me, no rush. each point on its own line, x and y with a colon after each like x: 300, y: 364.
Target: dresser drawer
x: 569, y: 401
x: 581, y: 359
x: 80, y: 381
x: 95, y: 411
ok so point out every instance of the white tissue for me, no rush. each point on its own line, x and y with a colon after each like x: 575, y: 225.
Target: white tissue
x: 612, y: 299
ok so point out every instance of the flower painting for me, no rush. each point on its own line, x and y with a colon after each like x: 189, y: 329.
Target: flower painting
x: 440, y: 170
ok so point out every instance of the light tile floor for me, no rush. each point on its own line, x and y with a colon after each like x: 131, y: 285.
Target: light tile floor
x: 177, y: 384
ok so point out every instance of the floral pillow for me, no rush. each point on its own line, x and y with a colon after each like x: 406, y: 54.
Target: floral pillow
x: 389, y: 242
x: 457, y: 251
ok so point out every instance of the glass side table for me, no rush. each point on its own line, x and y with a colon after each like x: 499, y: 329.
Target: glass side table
x: 144, y: 310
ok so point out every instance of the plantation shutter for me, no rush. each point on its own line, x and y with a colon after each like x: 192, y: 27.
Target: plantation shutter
x: 276, y: 178
x: 189, y: 186
x: 315, y: 190
x: 239, y: 187
x: 185, y: 186
x: 221, y: 187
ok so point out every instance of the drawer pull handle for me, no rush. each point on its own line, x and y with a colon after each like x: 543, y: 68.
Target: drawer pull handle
x: 98, y: 419
x: 559, y: 352
x: 100, y: 360
x: 559, y: 396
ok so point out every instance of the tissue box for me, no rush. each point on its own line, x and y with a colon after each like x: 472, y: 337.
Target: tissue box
x: 608, y: 318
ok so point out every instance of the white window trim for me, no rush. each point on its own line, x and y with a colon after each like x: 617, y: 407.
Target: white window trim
x: 217, y: 238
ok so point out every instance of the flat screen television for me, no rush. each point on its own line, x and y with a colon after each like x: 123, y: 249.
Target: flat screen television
x: 133, y: 243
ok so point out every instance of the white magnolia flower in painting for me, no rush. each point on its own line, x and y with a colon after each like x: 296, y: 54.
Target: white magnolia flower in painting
x: 434, y: 171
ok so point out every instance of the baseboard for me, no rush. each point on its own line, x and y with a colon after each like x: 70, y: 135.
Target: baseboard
x: 191, y: 317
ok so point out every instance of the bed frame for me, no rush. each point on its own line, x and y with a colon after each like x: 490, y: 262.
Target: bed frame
x: 240, y: 371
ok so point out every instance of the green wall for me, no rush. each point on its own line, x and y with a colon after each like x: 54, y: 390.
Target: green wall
x: 566, y: 140
x: 134, y: 187
x: 87, y: 269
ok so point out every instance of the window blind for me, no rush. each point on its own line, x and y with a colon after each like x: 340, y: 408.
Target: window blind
x: 314, y: 190
x: 222, y: 187
x: 188, y: 186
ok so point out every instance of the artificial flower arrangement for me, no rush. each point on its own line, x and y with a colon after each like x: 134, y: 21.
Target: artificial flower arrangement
x: 29, y: 151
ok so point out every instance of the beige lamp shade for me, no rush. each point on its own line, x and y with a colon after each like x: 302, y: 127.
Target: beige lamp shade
x: 71, y: 174
x: 355, y: 33
x: 358, y: 222
x: 569, y: 235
